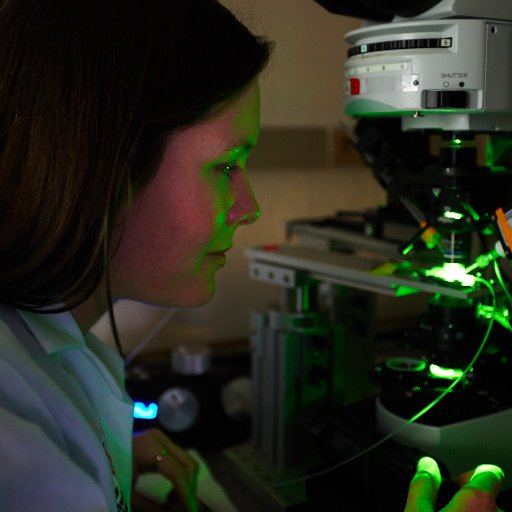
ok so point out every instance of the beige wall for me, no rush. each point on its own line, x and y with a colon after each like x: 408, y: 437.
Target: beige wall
x: 301, y: 88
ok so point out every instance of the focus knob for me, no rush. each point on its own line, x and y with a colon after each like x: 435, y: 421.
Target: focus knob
x: 191, y: 360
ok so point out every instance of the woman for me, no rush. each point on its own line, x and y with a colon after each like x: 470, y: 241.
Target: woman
x: 125, y: 130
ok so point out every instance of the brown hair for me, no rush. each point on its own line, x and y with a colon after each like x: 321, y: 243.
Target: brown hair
x: 89, y: 91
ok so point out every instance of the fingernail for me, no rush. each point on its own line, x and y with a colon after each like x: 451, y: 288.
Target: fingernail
x: 429, y: 465
x: 489, y: 468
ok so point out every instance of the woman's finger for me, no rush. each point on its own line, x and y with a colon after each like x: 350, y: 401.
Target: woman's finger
x: 190, y: 465
x: 424, y: 487
x: 173, y: 469
x: 154, y: 451
x: 141, y: 503
x: 480, y: 492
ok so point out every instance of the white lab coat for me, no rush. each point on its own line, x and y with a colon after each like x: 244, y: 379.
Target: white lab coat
x: 64, y: 413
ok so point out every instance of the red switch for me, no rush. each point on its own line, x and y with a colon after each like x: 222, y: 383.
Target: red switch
x: 355, y: 86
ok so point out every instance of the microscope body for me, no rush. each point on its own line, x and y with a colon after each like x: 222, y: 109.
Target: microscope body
x: 429, y: 85
x: 442, y: 74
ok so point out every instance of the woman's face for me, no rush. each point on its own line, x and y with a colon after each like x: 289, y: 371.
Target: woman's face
x: 181, y: 225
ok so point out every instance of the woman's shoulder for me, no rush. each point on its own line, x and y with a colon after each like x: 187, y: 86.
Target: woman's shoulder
x: 26, y: 372
x: 18, y: 365
x: 18, y: 345
x: 13, y: 333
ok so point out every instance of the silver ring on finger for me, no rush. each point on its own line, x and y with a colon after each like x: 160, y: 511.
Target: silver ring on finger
x: 163, y: 453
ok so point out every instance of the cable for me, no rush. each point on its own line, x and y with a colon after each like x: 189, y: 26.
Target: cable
x: 149, y: 336
x: 484, y: 259
x: 499, y: 277
x: 420, y: 413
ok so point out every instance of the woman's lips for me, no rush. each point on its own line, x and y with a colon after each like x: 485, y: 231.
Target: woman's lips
x: 219, y: 257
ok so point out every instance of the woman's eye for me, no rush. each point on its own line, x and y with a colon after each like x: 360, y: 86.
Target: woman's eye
x: 228, y: 170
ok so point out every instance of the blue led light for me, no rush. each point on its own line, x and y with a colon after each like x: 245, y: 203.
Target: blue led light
x: 145, y: 412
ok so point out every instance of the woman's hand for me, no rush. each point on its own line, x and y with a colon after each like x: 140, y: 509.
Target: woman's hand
x: 479, y: 489
x: 153, y: 451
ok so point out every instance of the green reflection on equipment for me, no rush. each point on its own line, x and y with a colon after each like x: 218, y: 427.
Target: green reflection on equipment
x: 408, y: 249
x: 402, y: 291
x: 453, y: 215
x: 452, y: 272
x: 501, y: 315
x: 438, y: 372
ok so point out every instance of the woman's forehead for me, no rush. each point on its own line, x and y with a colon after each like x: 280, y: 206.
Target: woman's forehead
x: 232, y: 132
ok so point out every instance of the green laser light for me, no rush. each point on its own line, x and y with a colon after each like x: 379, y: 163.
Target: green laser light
x: 453, y: 215
x: 438, y: 372
x: 452, y: 272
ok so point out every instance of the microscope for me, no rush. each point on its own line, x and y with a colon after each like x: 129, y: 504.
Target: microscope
x: 336, y: 421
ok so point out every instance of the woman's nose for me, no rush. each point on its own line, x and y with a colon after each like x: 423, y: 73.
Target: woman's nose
x: 245, y: 209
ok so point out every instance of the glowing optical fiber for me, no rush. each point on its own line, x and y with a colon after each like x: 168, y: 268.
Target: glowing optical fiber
x: 452, y: 272
x: 145, y: 412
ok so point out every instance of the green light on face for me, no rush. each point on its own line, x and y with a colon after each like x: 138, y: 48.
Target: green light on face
x: 452, y: 272
x: 453, y: 215
x: 438, y: 372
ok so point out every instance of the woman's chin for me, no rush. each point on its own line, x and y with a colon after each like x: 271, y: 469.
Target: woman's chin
x: 191, y: 298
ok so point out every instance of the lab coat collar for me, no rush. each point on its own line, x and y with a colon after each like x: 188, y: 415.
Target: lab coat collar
x: 54, y: 331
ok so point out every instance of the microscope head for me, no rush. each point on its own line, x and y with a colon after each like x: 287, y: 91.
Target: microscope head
x: 441, y: 68
x: 393, y: 10
x: 437, y: 67
x: 430, y: 87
